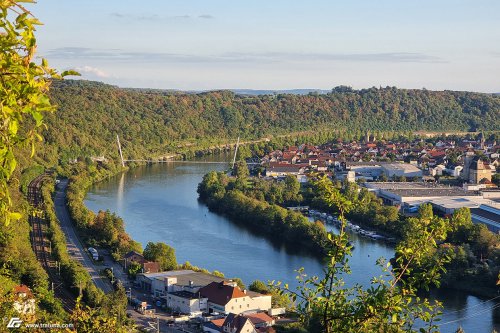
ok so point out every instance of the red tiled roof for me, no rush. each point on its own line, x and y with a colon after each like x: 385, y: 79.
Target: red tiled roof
x: 258, y: 318
x: 221, y: 293
x: 436, y: 153
x: 218, y: 322
x: 235, y: 323
x: 23, y: 289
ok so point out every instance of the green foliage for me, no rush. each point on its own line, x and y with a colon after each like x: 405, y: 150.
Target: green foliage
x: 133, y: 269
x: 279, y: 300
x: 390, y: 303
x: 241, y: 170
x: 496, y: 179
x: 239, y: 283
x: 161, y: 253
x: 86, y: 319
x: 217, y: 273
x: 28, y: 175
x: 104, y: 229
x: 23, y: 93
x: 270, y: 220
x: 366, y: 208
x: 151, y: 123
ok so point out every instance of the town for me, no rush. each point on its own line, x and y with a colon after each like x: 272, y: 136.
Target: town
x: 447, y: 173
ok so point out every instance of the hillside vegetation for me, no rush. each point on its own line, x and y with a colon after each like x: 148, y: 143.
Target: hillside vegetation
x: 152, y: 122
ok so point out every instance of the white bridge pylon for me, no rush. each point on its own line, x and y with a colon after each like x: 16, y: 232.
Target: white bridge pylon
x: 179, y: 161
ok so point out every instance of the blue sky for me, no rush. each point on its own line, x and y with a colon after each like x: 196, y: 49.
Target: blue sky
x: 275, y: 44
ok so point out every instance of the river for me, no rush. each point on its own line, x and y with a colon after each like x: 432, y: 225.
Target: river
x: 160, y: 203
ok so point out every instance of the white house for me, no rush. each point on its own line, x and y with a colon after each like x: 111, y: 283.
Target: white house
x: 238, y: 324
x: 224, y: 297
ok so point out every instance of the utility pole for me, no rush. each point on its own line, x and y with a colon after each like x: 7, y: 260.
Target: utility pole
x: 236, y: 151
x: 120, y: 150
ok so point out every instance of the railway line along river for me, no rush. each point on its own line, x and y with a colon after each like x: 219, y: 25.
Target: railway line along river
x: 159, y: 203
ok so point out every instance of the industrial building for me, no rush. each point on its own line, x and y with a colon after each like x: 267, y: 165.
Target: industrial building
x: 401, y: 193
x: 409, y: 196
x: 401, y: 170
x: 488, y: 214
x: 159, y: 284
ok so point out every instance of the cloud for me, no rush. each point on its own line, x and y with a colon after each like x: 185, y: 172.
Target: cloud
x: 155, y: 17
x: 93, y: 71
x: 239, y: 57
x: 119, y: 15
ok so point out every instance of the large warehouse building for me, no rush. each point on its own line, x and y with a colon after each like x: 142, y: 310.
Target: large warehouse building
x: 401, y: 170
x: 409, y: 196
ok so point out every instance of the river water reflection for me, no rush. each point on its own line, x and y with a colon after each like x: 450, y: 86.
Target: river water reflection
x: 160, y: 203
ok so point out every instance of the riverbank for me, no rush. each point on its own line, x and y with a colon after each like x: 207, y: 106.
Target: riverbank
x: 221, y: 194
x: 238, y: 199
x: 159, y: 203
x: 469, y: 286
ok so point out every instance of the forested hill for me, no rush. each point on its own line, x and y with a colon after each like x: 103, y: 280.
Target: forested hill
x: 91, y: 114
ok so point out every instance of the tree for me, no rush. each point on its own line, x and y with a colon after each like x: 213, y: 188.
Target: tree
x: 23, y: 93
x: 279, y: 300
x: 239, y: 283
x: 292, y: 189
x: 86, y: 319
x: 241, y: 170
x: 161, y: 253
x: 259, y: 287
x: 425, y: 212
x: 390, y: 303
x: 496, y: 179
x: 133, y: 269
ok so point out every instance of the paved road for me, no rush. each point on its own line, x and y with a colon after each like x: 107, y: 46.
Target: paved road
x: 75, y: 247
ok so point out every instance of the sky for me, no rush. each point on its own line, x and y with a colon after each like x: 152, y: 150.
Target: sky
x: 275, y: 44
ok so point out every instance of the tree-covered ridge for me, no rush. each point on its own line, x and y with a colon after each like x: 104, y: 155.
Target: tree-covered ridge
x: 91, y: 114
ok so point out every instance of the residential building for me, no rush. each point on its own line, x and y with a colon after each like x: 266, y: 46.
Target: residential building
x: 238, y: 324
x: 224, y: 297
x: 146, y: 266
x: 24, y: 300
x: 260, y: 319
x: 213, y: 326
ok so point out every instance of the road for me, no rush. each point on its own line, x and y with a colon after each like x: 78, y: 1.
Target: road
x: 75, y: 248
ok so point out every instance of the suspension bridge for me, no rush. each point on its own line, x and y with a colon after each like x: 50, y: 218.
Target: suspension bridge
x: 171, y: 160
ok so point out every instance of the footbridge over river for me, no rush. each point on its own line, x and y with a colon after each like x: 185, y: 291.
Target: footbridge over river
x: 171, y: 159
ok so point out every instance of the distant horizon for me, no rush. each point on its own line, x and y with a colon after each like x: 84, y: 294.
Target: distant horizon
x: 323, y: 90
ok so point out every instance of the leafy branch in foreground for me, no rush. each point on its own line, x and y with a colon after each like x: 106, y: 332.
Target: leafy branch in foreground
x: 390, y: 303
x: 23, y: 88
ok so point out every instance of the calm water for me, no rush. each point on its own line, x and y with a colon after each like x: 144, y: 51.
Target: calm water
x: 160, y: 203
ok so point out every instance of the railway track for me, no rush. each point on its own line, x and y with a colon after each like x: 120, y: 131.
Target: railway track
x: 41, y: 247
